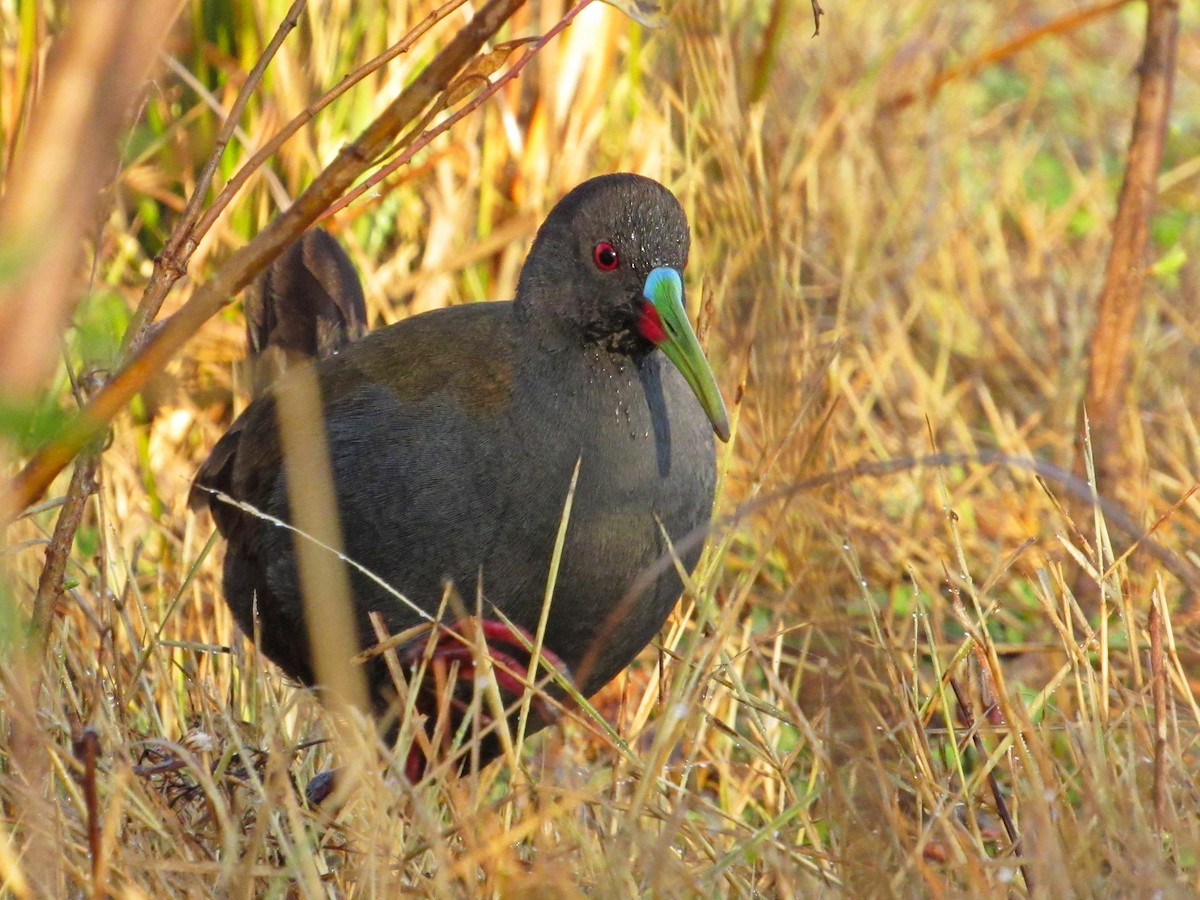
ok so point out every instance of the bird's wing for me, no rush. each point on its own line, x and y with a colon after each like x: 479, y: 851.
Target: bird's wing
x: 462, y: 356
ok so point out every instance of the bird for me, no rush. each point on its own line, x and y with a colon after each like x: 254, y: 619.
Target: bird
x: 454, y: 438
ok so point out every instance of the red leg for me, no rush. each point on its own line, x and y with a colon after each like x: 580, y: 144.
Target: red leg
x: 510, y: 663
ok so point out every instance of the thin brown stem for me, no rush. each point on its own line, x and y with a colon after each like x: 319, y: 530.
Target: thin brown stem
x: 172, y: 263
x: 1062, y: 25
x: 50, y: 583
x: 86, y: 747
x: 1010, y: 827
x: 1158, y: 690
x: 426, y: 138
x: 251, y: 259
x: 1111, y: 352
x: 272, y: 146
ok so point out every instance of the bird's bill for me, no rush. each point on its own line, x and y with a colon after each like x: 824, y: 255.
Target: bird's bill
x: 664, y: 293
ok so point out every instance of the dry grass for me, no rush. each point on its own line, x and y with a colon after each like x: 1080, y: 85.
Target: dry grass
x: 884, y: 281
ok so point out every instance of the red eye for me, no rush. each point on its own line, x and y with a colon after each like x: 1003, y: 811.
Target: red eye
x: 605, y: 256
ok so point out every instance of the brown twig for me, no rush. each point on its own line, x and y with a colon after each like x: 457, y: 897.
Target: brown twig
x: 1158, y: 690
x: 245, y: 263
x: 50, y: 582
x: 1010, y: 827
x: 424, y: 138
x: 1061, y: 25
x: 1111, y: 351
x: 86, y: 747
x: 172, y: 262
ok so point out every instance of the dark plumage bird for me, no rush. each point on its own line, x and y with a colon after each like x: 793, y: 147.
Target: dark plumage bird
x: 453, y: 436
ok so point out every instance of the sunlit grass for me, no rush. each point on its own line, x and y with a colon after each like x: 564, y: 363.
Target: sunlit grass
x: 880, y: 281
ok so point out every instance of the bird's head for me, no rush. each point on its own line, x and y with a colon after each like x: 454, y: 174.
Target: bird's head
x: 606, y: 269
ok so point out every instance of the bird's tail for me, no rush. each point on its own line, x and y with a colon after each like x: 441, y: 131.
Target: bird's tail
x: 307, y: 305
x: 304, y: 307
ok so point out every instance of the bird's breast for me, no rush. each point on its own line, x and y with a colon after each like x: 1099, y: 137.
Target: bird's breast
x: 646, y: 478
x: 635, y: 426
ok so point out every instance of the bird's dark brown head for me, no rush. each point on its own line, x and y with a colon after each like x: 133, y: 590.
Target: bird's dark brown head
x: 590, y: 260
x: 606, y: 270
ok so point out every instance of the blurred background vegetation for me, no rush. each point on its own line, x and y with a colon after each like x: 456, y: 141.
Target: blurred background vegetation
x: 898, y: 242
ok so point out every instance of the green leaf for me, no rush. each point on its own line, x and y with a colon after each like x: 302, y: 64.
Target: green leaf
x: 100, y: 323
x: 30, y: 424
x: 1170, y: 262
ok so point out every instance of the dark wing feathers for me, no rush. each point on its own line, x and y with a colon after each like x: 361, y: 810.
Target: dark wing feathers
x: 306, y: 306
